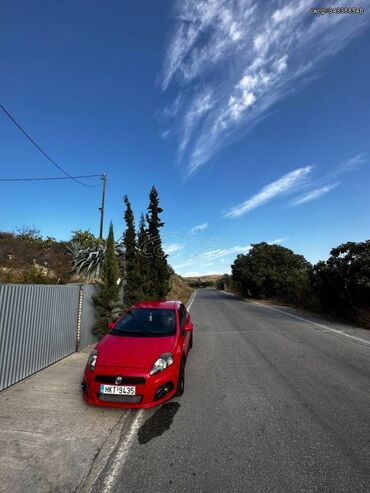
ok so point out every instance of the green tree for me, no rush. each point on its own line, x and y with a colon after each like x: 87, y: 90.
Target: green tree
x: 224, y: 282
x: 132, y: 287
x: 343, y: 281
x: 271, y: 271
x: 108, y: 301
x: 85, y: 238
x: 143, y: 260
x: 158, y: 267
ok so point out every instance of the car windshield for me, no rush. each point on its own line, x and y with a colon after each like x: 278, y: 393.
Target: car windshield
x: 146, y: 322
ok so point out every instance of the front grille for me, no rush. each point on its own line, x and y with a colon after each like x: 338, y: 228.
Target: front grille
x: 125, y: 380
x: 129, y: 399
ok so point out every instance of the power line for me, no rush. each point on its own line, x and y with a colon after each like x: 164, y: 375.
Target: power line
x: 42, y: 151
x: 53, y: 178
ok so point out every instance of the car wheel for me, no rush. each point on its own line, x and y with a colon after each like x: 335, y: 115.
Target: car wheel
x: 191, y: 341
x: 181, y: 379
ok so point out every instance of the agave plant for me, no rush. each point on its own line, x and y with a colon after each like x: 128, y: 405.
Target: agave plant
x: 88, y: 261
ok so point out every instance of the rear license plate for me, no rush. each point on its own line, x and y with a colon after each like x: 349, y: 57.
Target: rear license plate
x: 117, y: 390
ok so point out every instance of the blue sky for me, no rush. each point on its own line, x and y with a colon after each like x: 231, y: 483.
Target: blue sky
x: 252, y: 122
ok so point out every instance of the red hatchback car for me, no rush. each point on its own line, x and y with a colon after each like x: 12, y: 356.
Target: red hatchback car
x: 140, y: 362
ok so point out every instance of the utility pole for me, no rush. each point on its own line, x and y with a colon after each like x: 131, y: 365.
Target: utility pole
x: 101, y: 208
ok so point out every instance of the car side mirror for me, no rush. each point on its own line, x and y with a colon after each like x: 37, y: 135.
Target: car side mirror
x: 188, y: 327
x: 111, y: 325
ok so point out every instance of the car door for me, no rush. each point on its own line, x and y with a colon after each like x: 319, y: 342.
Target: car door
x: 184, y: 318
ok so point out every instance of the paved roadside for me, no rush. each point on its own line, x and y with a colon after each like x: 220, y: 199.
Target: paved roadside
x: 49, y: 435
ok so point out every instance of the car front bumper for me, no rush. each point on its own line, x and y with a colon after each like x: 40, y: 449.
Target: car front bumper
x: 151, y: 390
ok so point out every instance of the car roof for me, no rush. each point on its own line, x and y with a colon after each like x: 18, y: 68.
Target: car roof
x: 166, y: 305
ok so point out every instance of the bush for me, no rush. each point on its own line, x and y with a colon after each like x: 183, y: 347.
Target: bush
x: 36, y: 275
x: 269, y: 271
x: 19, y: 253
x: 343, y: 281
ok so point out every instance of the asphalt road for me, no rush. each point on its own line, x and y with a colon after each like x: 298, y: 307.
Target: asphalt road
x: 271, y: 403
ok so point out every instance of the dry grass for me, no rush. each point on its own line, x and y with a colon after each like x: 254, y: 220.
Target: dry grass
x: 27, y: 261
x: 180, y: 290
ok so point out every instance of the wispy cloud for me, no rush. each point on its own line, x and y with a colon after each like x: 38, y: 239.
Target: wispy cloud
x: 314, y: 194
x: 251, y: 57
x: 200, y: 227
x: 224, y: 252
x: 287, y: 183
x: 354, y: 163
x: 172, y: 248
x: 278, y: 241
x: 201, y: 259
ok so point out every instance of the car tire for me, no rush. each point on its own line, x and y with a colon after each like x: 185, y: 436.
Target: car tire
x: 191, y: 341
x: 181, y: 379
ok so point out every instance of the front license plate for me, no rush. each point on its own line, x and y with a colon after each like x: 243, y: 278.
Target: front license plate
x: 117, y: 390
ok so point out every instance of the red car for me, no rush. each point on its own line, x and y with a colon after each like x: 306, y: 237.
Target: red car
x: 140, y: 362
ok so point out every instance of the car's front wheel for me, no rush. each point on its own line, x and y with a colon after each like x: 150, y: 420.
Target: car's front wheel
x: 181, y: 379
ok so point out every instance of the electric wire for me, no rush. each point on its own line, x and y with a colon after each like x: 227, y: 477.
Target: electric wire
x: 70, y: 177
x: 52, y: 178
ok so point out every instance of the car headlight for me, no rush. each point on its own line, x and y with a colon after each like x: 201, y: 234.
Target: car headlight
x: 92, y: 359
x: 165, y: 360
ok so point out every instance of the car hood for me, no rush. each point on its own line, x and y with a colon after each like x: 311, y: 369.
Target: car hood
x: 133, y: 352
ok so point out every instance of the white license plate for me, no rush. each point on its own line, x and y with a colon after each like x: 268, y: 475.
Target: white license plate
x: 117, y: 390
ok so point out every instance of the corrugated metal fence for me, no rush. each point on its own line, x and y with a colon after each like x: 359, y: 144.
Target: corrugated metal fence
x: 39, y: 326
x: 88, y: 316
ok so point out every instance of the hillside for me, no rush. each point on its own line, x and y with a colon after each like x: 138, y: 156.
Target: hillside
x: 28, y: 258
x: 207, y: 278
x: 180, y: 289
x: 202, y: 281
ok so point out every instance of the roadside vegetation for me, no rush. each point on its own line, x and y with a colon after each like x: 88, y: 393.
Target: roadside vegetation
x: 339, y: 286
x: 179, y: 288
x: 127, y: 270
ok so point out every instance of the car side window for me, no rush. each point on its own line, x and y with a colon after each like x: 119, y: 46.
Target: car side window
x: 182, y: 313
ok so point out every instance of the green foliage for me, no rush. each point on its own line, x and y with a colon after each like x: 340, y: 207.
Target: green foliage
x: 133, y: 291
x: 269, y: 271
x: 87, y: 261
x: 158, y: 283
x: 85, y: 238
x: 35, y: 275
x: 340, y: 285
x: 225, y: 283
x: 143, y: 260
x: 108, y: 302
x: 87, y: 258
x: 200, y: 283
x: 32, y: 236
x: 343, y: 281
x: 29, y: 234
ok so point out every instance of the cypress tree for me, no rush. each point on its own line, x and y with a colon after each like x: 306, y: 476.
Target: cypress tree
x: 108, y: 303
x: 158, y: 267
x: 143, y: 259
x: 132, y: 288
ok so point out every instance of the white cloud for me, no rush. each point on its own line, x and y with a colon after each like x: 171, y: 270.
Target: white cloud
x: 201, y: 104
x: 354, y: 163
x: 224, y: 252
x: 172, y: 248
x: 286, y: 183
x: 250, y: 57
x: 200, y: 227
x: 201, y: 261
x: 279, y: 241
x: 314, y: 194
